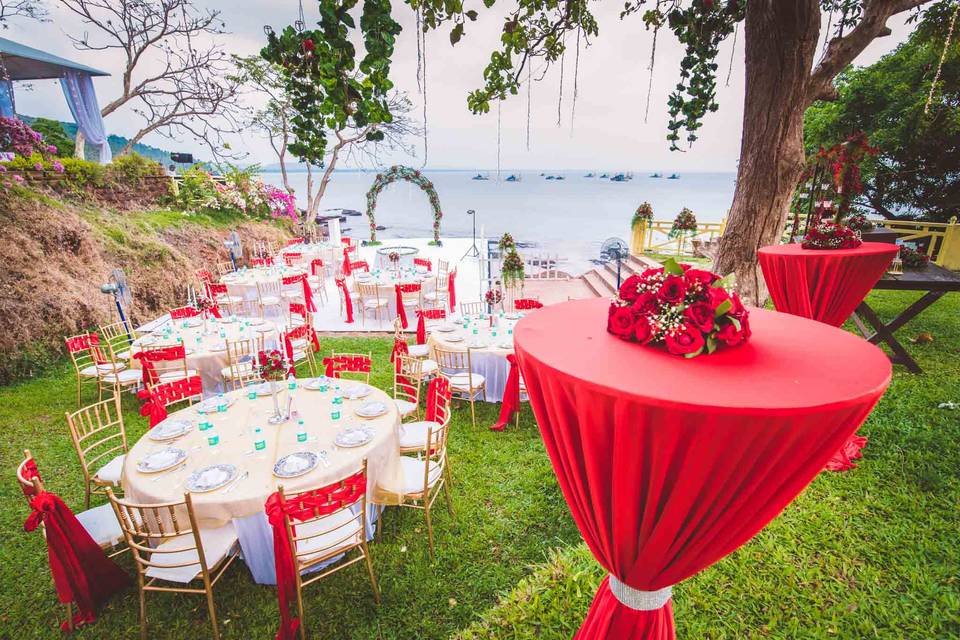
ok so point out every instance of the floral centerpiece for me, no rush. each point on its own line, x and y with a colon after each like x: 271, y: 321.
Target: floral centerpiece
x: 644, y: 214
x: 271, y: 367
x: 394, y: 258
x: 913, y: 259
x: 826, y: 234
x: 688, y: 311
x: 205, y: 306
x: 494, y: 296
x: 507, y: 243
x: 860, y: 222
x: 684, y: 224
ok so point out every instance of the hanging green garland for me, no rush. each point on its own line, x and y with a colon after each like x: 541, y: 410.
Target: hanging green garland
x: 391, y: 175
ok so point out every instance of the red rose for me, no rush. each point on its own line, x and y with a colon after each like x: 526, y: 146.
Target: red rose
x: 645, y: 304
x: 628, y: 290
x: 737, y: 309
x: 685, y: 340
x: 673, y: 290
x: 716, y: 296
x: 730, y: 335
x: 650, y: 273
x: 705, y: 278
x: 642, y: 330
x: 308, y: 45
x: 620, y: 323
x: 700, y: 315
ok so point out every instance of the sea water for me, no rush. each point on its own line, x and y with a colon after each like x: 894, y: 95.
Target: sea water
x: 571, y: 217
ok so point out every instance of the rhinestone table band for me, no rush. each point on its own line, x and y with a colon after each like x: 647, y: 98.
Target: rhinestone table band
x: 639, y: 600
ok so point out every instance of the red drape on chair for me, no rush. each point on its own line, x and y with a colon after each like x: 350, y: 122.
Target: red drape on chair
x: 347, y: 301
x: 427, y: 314
x: 511, y: 395
x: 82, y: 572
x: 452, y: 290
x: 346, y: 262
x: 823, y: 284
x: 668, y: 464
x: 401, y: 312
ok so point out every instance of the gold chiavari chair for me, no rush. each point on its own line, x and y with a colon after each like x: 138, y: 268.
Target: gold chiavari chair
x: 413, y: 435
x: 169, y: 548
x: 100, y: 441
x: 438, y: 296
x: 324, y: 536
x: 472, y: 308
x: 167, y: 366
x: 118, y: 376
x: 370, y: 300
x: 424, y: 477
x: 88, y: 361
x: 302, y: 345
x: 407, y: 377
x: 241, y: 366
x: 119, y: 336
x: 353, y: 366
x: 223, y: 268
x: 269, y: 294
x: 458, y: 367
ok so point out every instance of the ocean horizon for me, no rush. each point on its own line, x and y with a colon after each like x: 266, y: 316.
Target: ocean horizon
x: 571, y: 217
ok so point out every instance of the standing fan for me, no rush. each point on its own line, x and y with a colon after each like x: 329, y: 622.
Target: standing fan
x: 614, y: 249
x: 234, y: 246
x: 122, y: 296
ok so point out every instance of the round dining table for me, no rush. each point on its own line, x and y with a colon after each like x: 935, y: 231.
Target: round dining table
x: 387, y: 280
x: 205, y: 344
x: 668, y: 463
x: 311, y: 251
x: 489, y: 346
x: 241, y: 501
x: 244, y: 281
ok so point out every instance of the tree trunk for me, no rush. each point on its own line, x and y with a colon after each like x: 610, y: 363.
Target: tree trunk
x: 781, y: 39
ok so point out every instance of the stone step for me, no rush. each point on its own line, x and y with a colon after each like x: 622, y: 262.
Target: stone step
x: 596, y: 284
x: 609, y: 276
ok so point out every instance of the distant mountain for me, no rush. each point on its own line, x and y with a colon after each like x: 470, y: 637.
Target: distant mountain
x: 116, y: 144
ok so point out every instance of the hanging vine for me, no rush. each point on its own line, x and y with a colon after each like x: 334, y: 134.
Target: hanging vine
x: 657, y: 22
x: 529, y: 100
x: 733, y: 50
x: 576, y: 74
x: 563, y: 56
x: 499, y: 106
x: 943, y: 57
x: 423, y: 45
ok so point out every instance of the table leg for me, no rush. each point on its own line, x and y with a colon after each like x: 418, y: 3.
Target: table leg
x: 884, y: 332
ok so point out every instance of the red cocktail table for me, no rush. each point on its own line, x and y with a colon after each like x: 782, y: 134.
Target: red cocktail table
x: 823, y: 284
x: 669, y: 464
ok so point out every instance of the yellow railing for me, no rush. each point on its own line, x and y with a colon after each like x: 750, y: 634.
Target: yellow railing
x: 944, y: 238
x: 654, y: 237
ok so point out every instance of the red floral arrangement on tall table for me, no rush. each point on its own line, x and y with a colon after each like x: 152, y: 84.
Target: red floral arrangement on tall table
x: 687, y: 310
x: 271, y: 365
x: 493, y: 296
x: 826, y: 234
x: 203, y: 304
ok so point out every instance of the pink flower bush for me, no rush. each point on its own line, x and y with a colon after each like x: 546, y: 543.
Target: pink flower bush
x: 17, y: 136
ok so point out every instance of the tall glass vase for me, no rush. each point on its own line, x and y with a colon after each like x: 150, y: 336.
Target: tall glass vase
x: 278, y: 417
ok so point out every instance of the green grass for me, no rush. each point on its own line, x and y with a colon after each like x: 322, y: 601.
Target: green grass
x: 509, y: 514
x: 871, y: 553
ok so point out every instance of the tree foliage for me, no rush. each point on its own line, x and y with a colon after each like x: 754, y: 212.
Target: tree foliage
x: 916, y: 173
x: 53, y: 133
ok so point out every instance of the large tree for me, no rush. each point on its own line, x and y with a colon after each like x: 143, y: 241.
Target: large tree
x: 190, y: 92
x: 21, y: 9
x: 908, y: 104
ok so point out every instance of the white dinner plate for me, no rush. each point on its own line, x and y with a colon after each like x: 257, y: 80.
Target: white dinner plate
x: 314, y: 383
x: 161, y: 460
x: 253, y: 322
x: 373, y: 409
x: 169, y: 429
x: 295, y: 464
x: 193, y: 322
x: 218, y: 347
x: 210, y: 478
x: 357, y: 391
x: 354, y: 437
x: 446, y: 328
x: 210, y: 404
x: 454, y: 338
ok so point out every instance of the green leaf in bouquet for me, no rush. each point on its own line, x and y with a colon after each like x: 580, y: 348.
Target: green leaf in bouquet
x: 672, y: 267
x: 694, y: 354
x: 711, y: 344
x: 722, y: 308
x: 736, y: 323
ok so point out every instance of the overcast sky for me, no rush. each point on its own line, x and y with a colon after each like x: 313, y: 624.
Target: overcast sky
x: 608, y: 130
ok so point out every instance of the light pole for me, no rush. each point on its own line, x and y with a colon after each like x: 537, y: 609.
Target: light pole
x: 472, y: 252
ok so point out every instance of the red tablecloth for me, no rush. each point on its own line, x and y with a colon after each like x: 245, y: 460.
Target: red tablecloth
x: 669, y: 464
x: 821, y: 284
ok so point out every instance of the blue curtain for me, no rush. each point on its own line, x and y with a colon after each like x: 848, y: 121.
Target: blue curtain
x: 7, y: 106
x: 82, y: 100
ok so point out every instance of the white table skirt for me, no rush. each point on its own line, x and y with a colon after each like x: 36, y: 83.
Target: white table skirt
x: 494, y: 368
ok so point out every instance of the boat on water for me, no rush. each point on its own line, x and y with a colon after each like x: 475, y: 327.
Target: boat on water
x: 673, y: 176
x: 551, y: 178
x: 513, y: 178
x: 560, y: 178
x: 619, y: 178
x: 479, y: 177
x: 589, y: 175
x: 656, y: 175
x: 604, y: 176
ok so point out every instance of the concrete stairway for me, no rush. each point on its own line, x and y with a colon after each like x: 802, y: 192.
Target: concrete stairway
x: 602, y: 280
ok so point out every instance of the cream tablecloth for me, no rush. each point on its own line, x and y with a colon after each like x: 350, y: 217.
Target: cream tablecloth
x: 243, y: 283
x: 208, y: 353
x: 489, y: 347
x: 244, y: 505
x: 387, y: 281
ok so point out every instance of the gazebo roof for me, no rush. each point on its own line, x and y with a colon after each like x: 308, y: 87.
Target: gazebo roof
x: 26, y: 63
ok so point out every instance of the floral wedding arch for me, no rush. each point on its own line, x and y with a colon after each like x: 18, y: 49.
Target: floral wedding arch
x: 391, y: 175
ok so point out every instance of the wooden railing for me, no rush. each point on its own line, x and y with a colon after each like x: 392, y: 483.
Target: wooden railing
x: 654, y: 237
x: 939, y: 240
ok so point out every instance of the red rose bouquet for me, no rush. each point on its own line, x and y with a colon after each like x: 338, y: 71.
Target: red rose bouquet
x: 913, y: 259
x: 689, y: 311
x: 203, y: 304
x: 271, y: 365
x: 684, y: 224
x: 831, y: 235
x: 493, y: 296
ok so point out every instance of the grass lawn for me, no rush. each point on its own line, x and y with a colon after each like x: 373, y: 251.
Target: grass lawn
x: 870, y: 553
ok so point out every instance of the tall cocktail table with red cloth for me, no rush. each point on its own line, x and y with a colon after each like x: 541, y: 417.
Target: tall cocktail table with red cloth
x: 668, y: 464
x: 823, y: 284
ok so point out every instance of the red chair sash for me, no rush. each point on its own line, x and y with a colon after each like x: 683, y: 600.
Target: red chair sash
x: 307, y: 293
x: 181, y: 313
x: 315, y: 264
x: 89, y: 341
x: 215, y: 289
x: 346, y: 262
x: 291, y: 258
x: 157, y: 398
x: 205, y: 276
x: 511, y: 395
x: 423, y: 262
x: 266, y: 261
x: 452, y: 290
x: 303, y: 331
x: 427, y: 314
x: 521, y: 304
x: 329, y: 499
x: 29, y: 471
x: 438, y: 394
x: 293, y: 241
x: 335, y: 365
x: 345, y: 240
x: 359, y: 264
x: 297, y: 308
x: 347, y: 301
x: 400, y: 348
x: 82, y: 573
x: 401, y: 312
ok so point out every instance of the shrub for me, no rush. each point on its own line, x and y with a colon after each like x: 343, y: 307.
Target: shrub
x: 54, y: 135
x: 16, y: 136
